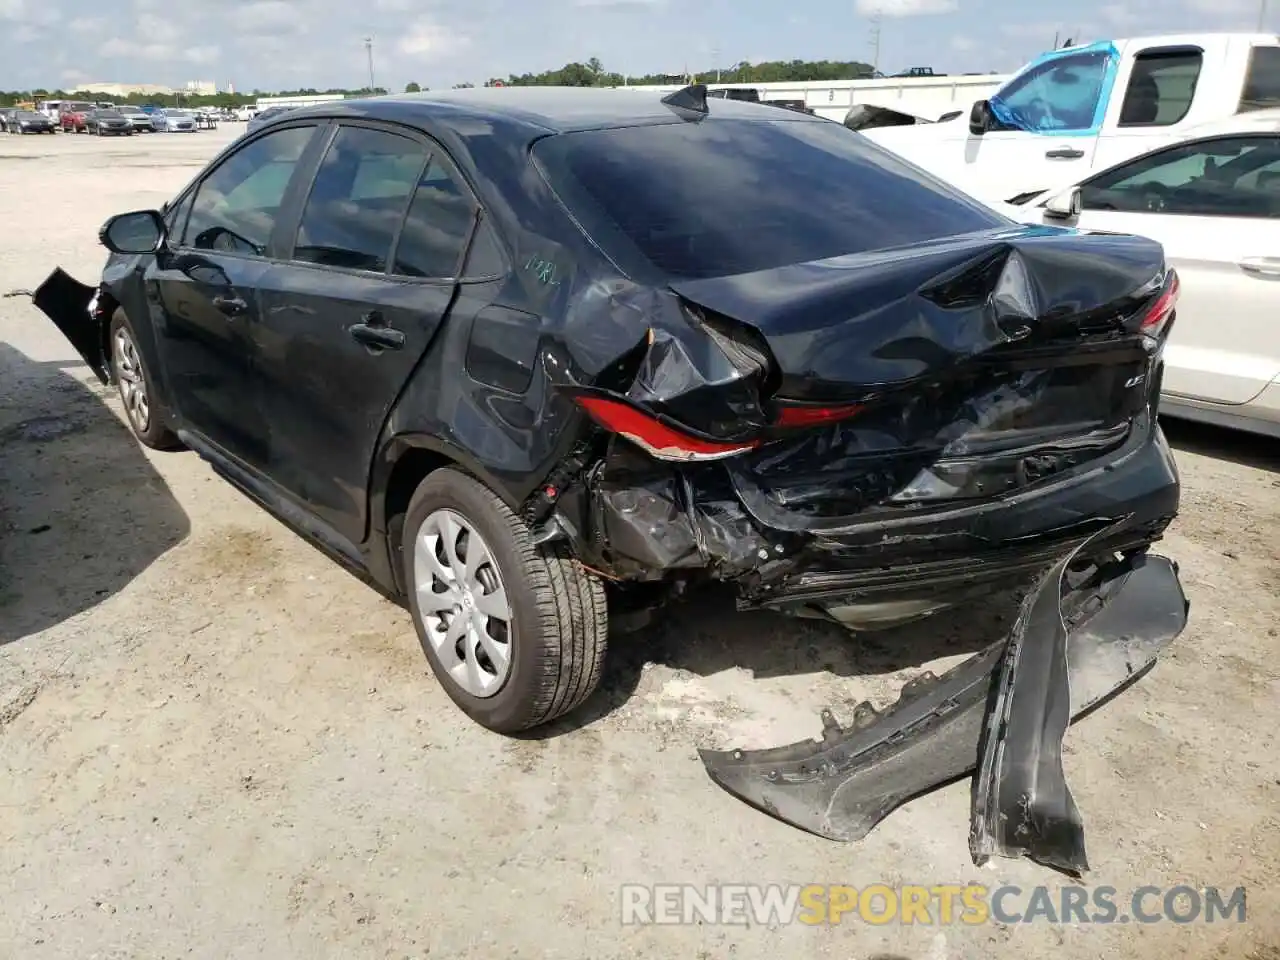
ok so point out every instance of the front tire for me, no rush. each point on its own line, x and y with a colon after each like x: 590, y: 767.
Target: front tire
x: 137, y: 390
x: 516, y: 634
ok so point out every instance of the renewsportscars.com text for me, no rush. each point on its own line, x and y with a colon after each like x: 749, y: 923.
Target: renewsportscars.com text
x: 929, y: 905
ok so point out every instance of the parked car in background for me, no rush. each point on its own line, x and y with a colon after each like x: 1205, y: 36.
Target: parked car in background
x: 744, y: 94
x: 108, y: 123
x: 50, y: 108
x: 28, y: 121
x: 74, y: 115
x: 1077, y: 110
x: 266, y: 116
x: 1213, y: 203
x: 170, y: 120
x: 138, y: 118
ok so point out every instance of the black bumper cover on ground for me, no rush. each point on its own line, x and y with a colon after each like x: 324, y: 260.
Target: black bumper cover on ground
x: 1003, y: 712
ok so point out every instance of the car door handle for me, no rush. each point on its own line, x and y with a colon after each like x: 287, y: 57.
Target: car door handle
x: 375, y: 335
x: 1263, y: 266
x: 1064, y: 153
x: 231, y: 306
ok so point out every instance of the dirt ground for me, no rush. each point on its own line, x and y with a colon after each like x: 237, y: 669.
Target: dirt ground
x: 215, y: 743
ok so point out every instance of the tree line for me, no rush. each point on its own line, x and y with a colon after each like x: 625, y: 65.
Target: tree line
x: 589, y: 74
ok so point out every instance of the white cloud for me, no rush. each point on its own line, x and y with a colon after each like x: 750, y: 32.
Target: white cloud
x: 154, y: 29
x: 267, y: 16
x: 27, y: 12
x: 202, y: 55
x: 429, y: 38
x: 1223, y: 8
x: 905, y: 8
x: 87, y: 24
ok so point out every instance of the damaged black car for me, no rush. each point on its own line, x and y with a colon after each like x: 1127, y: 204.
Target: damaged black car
x: 521, y: 355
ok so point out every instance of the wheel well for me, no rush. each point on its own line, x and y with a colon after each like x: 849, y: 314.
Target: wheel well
x: 410, y: 470
x: 107, y: 306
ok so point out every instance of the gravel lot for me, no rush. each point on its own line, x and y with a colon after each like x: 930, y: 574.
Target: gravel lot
x: 216, y: 743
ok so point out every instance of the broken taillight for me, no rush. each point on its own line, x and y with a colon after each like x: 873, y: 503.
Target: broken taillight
x: 810, y: 416
x: 655, y: 437
x: 1157, y: 318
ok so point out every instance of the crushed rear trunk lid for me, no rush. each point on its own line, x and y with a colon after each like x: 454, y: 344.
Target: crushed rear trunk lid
x: 821, y: 411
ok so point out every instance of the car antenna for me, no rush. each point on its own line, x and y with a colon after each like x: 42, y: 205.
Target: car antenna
x: 692, y: 98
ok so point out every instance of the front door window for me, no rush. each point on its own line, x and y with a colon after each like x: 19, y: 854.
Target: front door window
x: 1060, y: 95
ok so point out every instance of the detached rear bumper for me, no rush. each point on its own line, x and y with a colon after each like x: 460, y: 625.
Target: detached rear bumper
x: 1003, y: 712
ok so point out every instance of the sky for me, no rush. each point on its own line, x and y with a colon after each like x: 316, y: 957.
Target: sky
x: 290, y: 44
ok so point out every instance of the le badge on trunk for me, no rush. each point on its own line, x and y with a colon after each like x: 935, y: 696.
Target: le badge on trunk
x: 1003, y: 712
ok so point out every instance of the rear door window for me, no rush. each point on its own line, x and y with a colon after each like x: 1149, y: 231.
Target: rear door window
x: 1161, y: 88
x: 358, y: 199
x: 1262, y: 82
x: 236, y: 205
x: 721, y: 197
x: 435, y: 231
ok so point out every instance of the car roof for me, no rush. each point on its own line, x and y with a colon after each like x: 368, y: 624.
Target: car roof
x: 1266, y: 120
x: 541, y: 110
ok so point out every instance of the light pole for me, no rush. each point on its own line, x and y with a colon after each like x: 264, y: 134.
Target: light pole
x: 1262, y: 13
x: 875, y: 39
x: 368, y: 49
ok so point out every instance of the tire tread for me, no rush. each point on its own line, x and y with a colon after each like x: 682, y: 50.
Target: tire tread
x: 569, y: 604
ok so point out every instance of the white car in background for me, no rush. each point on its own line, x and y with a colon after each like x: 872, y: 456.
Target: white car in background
x: 1213, y: 202
x: 174, y: 121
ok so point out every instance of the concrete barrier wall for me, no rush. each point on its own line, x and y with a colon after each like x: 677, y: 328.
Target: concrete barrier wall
x: 929, y: 97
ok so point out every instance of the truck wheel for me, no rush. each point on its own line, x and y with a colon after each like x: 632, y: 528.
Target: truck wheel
x: 136, y: 389
x: 516, y: 634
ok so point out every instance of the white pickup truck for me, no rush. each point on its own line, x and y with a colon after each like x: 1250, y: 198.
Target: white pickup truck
x: 1089, y: 107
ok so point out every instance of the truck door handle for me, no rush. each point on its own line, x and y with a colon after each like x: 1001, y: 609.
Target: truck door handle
x: 231, y: 306
x: 1263, y: 266
x: 376, y: 335
x: 1064, y: 153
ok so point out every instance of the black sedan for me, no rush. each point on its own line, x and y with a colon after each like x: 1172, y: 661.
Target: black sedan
x: 108, y: 123
x: 28, y: 121
x: 520, y: 355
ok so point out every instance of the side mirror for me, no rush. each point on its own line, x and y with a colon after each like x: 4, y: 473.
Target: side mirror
x: 1064, y: 206
x: 138, y: 232
x: 980, y: 118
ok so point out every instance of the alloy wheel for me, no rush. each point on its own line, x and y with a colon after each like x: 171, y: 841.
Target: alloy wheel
x: 463, y: 603
x: 133, y: 385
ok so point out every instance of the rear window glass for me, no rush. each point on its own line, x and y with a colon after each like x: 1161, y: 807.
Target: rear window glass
x: 1262, y: 83
x: 723, y: 197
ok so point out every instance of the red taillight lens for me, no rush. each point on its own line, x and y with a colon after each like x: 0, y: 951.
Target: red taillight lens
x: 655, y: 437
x: 1161, y: 311
x: 812, y: 416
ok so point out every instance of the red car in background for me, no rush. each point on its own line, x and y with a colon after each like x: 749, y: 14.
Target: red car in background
x: 74, y: 116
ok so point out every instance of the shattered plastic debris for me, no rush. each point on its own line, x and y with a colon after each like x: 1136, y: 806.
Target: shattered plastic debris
x: 845, y: 784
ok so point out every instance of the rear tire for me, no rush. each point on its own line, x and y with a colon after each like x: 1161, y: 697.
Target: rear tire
x: 137, y: 390
x: 550, y: 647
